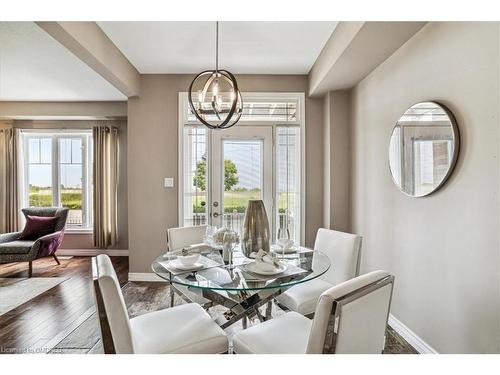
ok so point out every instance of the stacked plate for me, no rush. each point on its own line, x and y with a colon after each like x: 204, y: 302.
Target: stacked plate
x: 265, y: 269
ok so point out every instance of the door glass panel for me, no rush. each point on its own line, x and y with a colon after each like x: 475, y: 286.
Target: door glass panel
x: 71, y: 179
x: 288, y: 180
x: 40, y: 172
x: 195, y: 176
x: 242, y: 179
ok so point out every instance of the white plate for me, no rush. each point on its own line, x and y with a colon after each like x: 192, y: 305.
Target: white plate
x: 177, y: 264
x: 278, y: 250
x: 252, y: 267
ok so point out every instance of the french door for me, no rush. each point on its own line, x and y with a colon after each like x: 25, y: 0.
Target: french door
x: 241, y: 169
x: 259, y: 158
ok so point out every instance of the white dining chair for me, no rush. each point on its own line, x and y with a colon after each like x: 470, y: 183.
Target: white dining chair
x: 350, y: 318
x: 344, y: 251
x: 180, y: 329
x: 180, y: 237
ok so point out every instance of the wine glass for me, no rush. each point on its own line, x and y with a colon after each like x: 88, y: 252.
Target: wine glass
x: 229, y: 244
x: 208, y: 238
x: 283, y: 239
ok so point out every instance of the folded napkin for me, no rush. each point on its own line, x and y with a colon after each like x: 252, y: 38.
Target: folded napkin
x: 265, y: 262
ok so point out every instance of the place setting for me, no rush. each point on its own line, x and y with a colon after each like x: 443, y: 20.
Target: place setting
x: 187, y: 261
x: 267, y: 266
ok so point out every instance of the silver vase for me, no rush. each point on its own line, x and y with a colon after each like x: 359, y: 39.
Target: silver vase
x: 255, y: 228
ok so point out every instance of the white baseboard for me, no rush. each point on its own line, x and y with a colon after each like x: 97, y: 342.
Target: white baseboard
x: 144, y: 276
x: 411, y: 337
x: 93, y: 252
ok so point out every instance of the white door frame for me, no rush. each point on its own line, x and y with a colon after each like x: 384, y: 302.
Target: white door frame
x: 248, y: 96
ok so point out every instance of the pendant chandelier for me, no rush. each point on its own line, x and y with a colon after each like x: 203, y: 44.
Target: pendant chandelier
x: 214, y: 97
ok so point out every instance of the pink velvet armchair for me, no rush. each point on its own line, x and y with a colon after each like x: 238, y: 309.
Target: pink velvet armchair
x: 14, y: 249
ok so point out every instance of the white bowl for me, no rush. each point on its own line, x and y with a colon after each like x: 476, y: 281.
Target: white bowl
x: 188, y: 260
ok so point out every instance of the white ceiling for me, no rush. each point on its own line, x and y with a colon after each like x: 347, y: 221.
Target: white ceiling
x: 244, y: 47
x: 35, y: 67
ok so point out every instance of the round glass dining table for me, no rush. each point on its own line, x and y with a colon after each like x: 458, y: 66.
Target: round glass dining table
x: 301, y: 266
x: 234, y: 285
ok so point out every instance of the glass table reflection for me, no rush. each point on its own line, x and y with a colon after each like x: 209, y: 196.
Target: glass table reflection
x: 233, y: 286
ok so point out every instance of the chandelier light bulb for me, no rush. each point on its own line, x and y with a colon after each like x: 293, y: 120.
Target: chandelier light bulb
x: 215, y: 87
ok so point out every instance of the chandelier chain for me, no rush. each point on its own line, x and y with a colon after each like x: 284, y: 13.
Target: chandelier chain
x: 216, y: 46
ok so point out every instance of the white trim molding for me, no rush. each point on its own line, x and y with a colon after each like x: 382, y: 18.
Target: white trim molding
x: 411, y: 337
x: 144, y: 276
x: 92, y: 252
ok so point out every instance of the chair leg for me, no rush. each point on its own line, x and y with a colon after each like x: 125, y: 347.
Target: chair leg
x: 30, y: 268
x: 56, y: 259
x: 269, y: 310
x: 172, y: 296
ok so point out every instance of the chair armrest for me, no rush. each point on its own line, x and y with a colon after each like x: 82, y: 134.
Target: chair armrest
x: 8, y: 237
x: 51, y: 236
x: 47, y: 244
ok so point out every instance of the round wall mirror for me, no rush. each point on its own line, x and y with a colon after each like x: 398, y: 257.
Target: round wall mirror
x: 423, y: 149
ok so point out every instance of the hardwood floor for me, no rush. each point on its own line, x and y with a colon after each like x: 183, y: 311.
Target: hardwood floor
x: 63, y: 320
x: 40, y: 324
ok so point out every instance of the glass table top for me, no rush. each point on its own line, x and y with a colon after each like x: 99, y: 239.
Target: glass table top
x: 301, y: 266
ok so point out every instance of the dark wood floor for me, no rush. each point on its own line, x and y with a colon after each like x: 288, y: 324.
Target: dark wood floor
x: 63, y: 320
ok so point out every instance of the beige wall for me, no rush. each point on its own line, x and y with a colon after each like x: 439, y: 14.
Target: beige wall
x: 152, y: 155
x: 85, y: 241
x: 443, y: 249
x: 326, y: 161
x: 336, y: 163
x: 62, y: 110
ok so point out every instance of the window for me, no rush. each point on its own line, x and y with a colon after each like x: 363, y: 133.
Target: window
x: 261, y: 110
x: 57, y: 172
x: 195, y: 196
x: 288, y: 187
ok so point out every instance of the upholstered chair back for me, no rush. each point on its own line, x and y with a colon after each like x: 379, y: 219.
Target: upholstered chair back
x: 184, y: 236
x: 344, y: 251
x: 60, y: 212
x: 111, y: 307
x: 352, y: 317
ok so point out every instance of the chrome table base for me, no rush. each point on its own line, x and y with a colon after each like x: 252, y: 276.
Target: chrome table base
x: 242, y: 306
